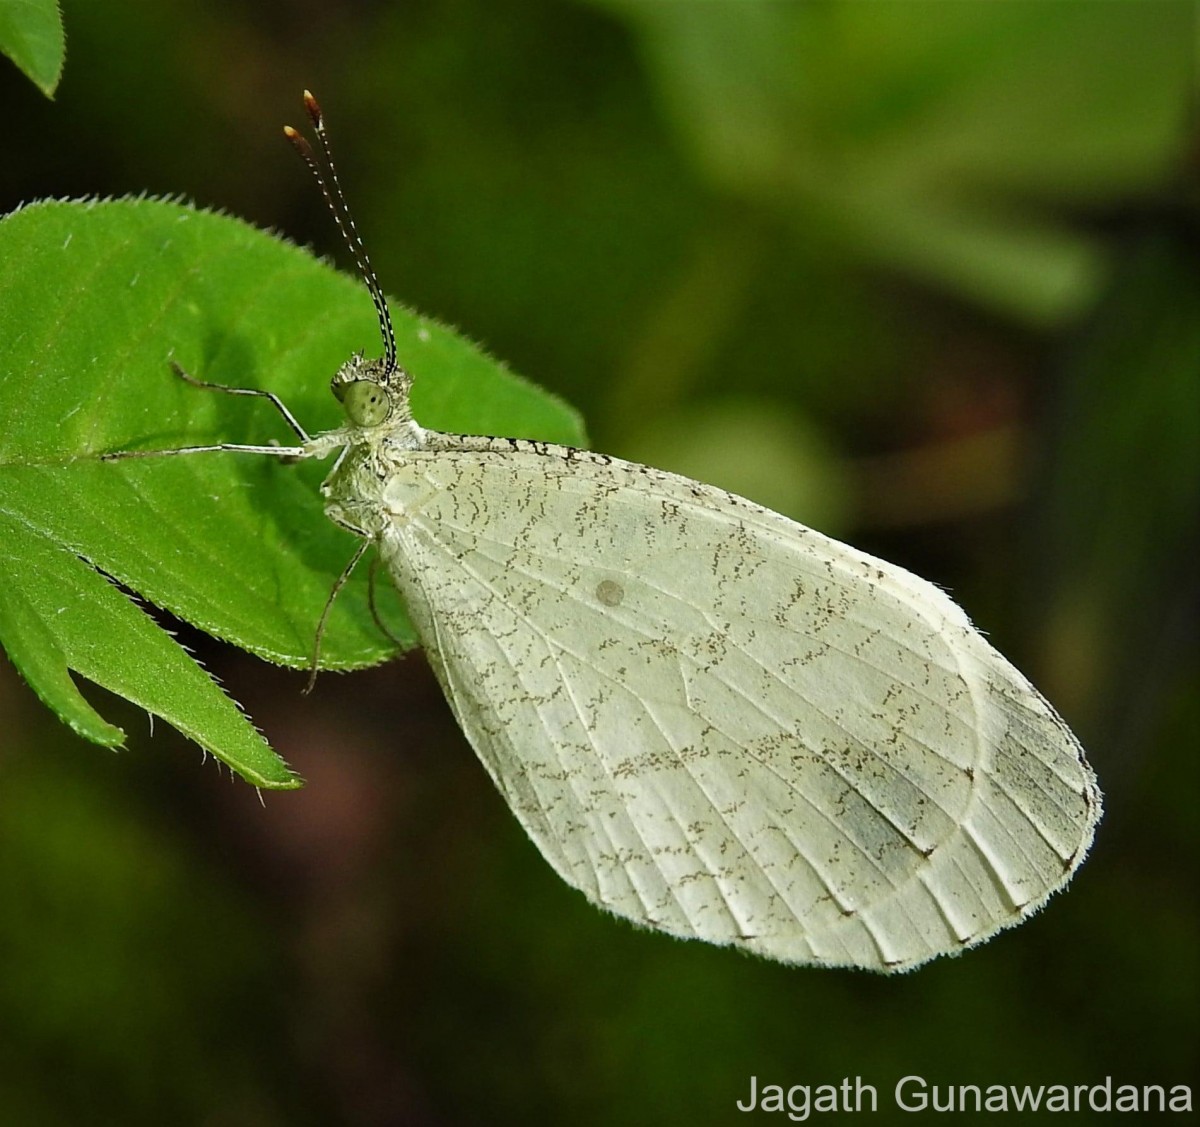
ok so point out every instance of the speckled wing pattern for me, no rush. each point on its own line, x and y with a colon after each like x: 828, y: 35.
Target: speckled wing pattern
x: 718, y: 723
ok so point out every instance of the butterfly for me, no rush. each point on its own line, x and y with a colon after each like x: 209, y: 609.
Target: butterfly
x: 713, y: 721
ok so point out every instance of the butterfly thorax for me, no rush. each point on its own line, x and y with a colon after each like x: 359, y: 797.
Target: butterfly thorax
x: 379, y: 434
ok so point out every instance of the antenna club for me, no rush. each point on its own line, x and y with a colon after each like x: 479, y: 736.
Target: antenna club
x: 313, y: 108
x: 300, y: 144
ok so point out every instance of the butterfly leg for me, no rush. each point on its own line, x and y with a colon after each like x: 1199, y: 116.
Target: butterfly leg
x: 275, y: 401
x: 339, y: 583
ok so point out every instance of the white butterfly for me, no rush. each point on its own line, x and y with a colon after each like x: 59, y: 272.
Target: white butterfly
x: 712, y: 721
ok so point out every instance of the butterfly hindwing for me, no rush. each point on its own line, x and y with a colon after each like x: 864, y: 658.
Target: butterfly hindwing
x: 721, y: 724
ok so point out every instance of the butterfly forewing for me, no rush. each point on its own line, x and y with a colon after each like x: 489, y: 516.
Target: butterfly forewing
x: 721, y: 724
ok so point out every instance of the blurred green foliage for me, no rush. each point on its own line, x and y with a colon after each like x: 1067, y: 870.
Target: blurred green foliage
x: 921, y: 274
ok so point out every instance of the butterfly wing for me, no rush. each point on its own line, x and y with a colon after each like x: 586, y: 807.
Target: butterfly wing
x: 718, y: 723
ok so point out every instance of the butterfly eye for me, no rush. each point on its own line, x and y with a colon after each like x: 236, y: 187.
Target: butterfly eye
x: 366, y: 403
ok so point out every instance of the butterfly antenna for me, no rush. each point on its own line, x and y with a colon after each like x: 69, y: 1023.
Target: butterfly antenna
x: 331, y: 189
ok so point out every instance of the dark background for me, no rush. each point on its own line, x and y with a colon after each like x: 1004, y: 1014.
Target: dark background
x: 923, y: 275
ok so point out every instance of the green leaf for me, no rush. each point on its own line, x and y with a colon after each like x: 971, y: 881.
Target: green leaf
x: 31, y: 34
x: 59, y: 614
x: 94, y: 299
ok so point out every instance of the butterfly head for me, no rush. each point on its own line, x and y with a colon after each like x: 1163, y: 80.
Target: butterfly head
x: 361, y: 386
